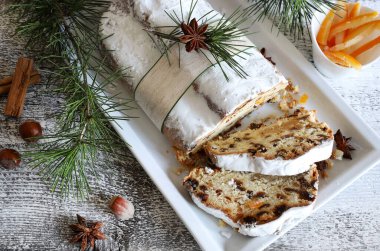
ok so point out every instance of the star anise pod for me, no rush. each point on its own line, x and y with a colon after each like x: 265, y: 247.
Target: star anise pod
x: 194, y: 36
x: 86, y: 233
x: 343, y: 144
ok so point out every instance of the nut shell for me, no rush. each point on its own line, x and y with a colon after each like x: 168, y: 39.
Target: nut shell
x: 30, y: 130
x: 122, y: 208
x: 9, y: 158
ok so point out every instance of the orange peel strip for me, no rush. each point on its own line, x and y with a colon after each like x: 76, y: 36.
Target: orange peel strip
x: 373, y: 25
x: 324, y: 31
x: 347, y: 44
x: 340, y: 16
x: 352, y: 23
x: 343, y: 59
x: 339, y: 38
x: 355, y: 37
x: 355, y: 10
x: 341, y: 12
x: 335, y: 59
x: 366, y: 47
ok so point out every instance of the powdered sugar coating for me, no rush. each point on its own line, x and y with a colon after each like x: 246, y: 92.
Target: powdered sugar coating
x: 278, y: 166
x: 199, y: 111
x: 262, y: 229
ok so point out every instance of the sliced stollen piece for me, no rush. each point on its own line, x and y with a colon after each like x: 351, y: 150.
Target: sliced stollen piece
x: 211, y: 104
x: 287, y: 146
x: 255, y: 204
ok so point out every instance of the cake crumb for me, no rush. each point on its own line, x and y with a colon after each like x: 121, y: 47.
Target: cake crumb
x: 221, y: 223
x: 275, y: 99
x: 292, y: 88
x: 179, y: 170
x: 323, y: 166
x: 337, y: 154
x: 287, y: 101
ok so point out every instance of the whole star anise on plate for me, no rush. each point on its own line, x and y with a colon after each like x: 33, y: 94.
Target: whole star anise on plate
x: 86, y: 233
x: 194, y: 35
x: 343, y: 144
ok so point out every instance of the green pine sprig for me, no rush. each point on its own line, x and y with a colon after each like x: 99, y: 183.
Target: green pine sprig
x: 222, y: 36
x: 290, y: 15
x: 64, y: 37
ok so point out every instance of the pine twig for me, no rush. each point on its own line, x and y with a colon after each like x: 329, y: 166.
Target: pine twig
x: 219, y: 36
x: 64, y: 37
x: 291, y: 15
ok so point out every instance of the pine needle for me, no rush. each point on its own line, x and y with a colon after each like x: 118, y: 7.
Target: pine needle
x: 65, y: 40
x: 290, y: 15
x: 222, y: 36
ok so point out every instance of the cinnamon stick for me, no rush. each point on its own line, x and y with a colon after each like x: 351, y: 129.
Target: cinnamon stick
x: 5, y: 83
x: 19, y: 86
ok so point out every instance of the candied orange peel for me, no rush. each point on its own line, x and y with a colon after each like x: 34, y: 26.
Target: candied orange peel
x: 353, y: 23
x: 324, y: 31
x: 343, y: 59
x: 366, y: 47
x: 343, y: 34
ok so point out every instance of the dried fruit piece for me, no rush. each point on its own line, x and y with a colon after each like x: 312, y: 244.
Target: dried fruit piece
x: 352, y: 23
x: 341, y: 12
x: 339, y: 38
x: 263, y: 52
x: 355, y: 11
x: 353, y: 39
x: 340, y: 15
x: 366, y: 47
x: 343, y: 59
x: 324, y: 31
x: 370, y: 26
x: 303, y: 98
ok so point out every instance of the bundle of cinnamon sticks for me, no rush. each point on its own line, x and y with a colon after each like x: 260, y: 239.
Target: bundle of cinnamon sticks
x: 17, y: 84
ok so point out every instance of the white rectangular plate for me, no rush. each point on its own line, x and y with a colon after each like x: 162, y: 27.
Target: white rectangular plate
x: 155, y: 154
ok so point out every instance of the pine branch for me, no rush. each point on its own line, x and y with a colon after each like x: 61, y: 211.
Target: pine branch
x: 220, y: 36
x: 65, y: 39
x: 291, y: 15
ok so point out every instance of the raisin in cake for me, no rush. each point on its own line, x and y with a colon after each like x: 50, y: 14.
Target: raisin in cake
x: 255, y: 204
x: 287, y: 146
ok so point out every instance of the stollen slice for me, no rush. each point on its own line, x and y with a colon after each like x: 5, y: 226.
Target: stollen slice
x: 287, y: 146
x: 255, y: 204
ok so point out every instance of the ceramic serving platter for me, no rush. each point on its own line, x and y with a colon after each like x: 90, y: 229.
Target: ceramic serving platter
x: 156, y: 156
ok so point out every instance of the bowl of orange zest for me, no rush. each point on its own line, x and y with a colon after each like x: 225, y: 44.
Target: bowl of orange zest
x: 345, y: 40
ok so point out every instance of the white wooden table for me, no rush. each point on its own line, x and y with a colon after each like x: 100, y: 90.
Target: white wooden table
x: 33, y: 218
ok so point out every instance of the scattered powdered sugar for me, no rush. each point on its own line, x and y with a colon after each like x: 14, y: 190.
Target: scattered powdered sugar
x: 226, y: 234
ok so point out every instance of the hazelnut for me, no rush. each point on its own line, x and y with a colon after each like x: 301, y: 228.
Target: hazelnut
x: 9, y: 158
x: 30, y: 131
x: 122, y: 208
